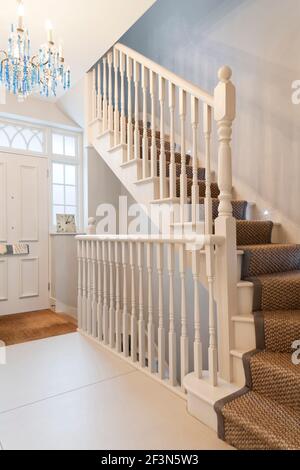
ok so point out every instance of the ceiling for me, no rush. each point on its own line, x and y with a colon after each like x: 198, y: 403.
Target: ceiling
x: 87, y: 28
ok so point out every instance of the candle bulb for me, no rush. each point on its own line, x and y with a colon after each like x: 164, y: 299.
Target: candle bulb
x: 49, y: 28
x: 21, y: 16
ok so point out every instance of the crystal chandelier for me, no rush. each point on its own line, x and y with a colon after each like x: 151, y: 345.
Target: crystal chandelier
x: 50, y: 64
x: 17, y: 73
x: 22, y: 74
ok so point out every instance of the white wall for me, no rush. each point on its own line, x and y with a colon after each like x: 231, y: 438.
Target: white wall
x: 35, y: 109
x: 64, y: 272
x: 72, y: 103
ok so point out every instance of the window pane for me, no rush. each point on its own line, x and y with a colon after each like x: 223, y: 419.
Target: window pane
x: 71, y: 210
x: 70, y: 193
x: 70, y: 146
x: 57, y: 144
x: 35, y: 145
x: 58, y: 173
x: 70, y: 175
x: 57, y: 210
x: 4, y: 142
x: 58, y: 194
x: 19, y: 142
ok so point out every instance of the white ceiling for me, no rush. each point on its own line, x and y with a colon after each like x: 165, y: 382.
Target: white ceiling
x: 87, y: 28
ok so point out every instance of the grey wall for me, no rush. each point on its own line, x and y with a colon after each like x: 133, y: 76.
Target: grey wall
x: 259, y: 39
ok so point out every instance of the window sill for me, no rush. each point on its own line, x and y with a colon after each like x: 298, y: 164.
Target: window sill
x: 55, y: 234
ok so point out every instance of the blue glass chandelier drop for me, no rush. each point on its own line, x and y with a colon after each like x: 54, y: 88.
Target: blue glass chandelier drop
x: 22, y: 74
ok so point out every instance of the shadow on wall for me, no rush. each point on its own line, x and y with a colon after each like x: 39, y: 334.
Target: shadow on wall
x: 194, y: 38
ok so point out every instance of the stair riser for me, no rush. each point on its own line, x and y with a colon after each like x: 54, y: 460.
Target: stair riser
x: 244, y: 336
x: 238, y: 373
x: 245, y: 299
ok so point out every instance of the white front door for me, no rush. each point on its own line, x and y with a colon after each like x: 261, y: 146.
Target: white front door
x: 24, y: 219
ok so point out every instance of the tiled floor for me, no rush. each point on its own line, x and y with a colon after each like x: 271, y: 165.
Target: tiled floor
x: 65, y: 393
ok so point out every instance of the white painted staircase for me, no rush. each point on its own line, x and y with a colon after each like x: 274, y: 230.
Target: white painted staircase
x: 126, y: 88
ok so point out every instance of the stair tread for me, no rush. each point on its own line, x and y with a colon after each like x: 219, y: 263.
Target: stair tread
x: 280, y: 329
x: 270, y: 258
x: 254, y: 232
x: 256, y: 422
x: 276, y: 291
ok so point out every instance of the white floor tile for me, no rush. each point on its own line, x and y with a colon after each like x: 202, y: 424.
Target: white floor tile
x: 41, y: 369
x: 128, y: 412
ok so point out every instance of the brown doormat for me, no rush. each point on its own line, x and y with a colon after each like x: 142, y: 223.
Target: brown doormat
x: 25, y: 327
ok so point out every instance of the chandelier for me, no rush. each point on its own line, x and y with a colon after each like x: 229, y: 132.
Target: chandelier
x: 22, y: 74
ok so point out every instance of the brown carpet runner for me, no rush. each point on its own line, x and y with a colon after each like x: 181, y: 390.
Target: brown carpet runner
x: 265, y: 415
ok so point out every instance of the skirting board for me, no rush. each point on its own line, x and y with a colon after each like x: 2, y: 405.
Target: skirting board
x: 60, y: 307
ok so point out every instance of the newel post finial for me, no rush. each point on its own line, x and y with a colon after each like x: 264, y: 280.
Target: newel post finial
x: 91, y: 226
x: 225, y: 110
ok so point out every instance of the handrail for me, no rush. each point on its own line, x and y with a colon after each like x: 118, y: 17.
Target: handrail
x: 194, y: 90
x: 203, y: 240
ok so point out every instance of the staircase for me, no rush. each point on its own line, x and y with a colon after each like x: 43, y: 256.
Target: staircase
x: 141, y: 118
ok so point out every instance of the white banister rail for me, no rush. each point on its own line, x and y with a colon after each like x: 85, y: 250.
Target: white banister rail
x: 167, y: 74
x: 160, y: 316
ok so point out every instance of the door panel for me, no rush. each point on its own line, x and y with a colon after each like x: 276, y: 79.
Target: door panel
x: 24, y: 279
x: 3, y: 221
x: 29, y: 277
x: 29, y: 203
x: 3, y: 280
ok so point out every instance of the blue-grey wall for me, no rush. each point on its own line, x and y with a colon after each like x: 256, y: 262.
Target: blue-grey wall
x: 259, y: 39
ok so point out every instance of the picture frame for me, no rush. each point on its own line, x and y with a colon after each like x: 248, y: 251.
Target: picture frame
x: 65, y: 223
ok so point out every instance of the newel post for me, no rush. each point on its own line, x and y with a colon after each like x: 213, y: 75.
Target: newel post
x: 225, y: 224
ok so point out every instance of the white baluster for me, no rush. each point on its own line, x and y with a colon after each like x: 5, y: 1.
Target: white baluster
x: 137, y: 142
x: 125, y: 301
x: 112, y: 312
x: 207, y: 125
x: 94, y: 96
x: 79, y: 294
x: 197, y: 320
x: 116, y: 99
x: 105, y: 295
x: 151, y: 336
x: 94, y: 290
x: 142, y: 354
x: 129, y: 97
x: 118, y: 298
x: 162, y: 156
x: 123, y: 115
x: 172, y: 170
x: 212, y: 350
x: 184, y: 340
x: 195, y: 187
x: 172, y: 331
x: 89, y: 289
x: 84, y: 289
x: 105, y: 104
x: 134, y: 327
x: 161, y: 328
x: 100, y: 97
x: 145, y: 152
x: 153, y: 124
x: 110, y: 97
x: 183, y: 176
x: 100, y: 293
